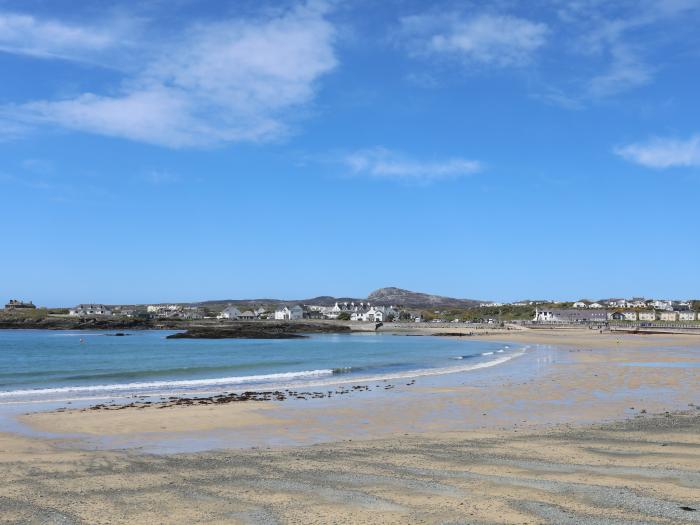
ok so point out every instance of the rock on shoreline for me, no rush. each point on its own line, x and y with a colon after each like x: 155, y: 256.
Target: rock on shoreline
x: 258, y: 330
x: 85, y: 323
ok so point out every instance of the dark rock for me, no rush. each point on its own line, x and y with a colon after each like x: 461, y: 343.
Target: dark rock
x: 260, y: 330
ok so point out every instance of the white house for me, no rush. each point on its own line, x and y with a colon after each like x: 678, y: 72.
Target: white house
x: 569, y: 315
x: 627, y: 315
x: 165, y: 310
x: 374, y: 315
x: 668, y: 316
x: 357, y: 316
x: 580, y: 304
x: 686, y: 316
x: 618, y: 303
x: 333, y: 312
x: 662, y: 305
x: 647, y: 315
x: 289, y: 314
x: 230, y: 312
x: 162, y: 308
x: 89, y: 309
x: 595, y: 305
x: 543, y: 315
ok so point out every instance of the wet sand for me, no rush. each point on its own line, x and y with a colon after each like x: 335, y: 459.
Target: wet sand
x: 565, y: 435
x: 578, y: 382
x: 645, y: 470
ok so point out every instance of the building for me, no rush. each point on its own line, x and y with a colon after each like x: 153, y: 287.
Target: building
x: 191, y: 312
x: 626, y: 315
x: 595, y: 305
x: 314, y: 313
x: 289, y: 314
x: 580, y: 304
x: 362, y: 311
x: 122, y: 311
x: 668, y: 316
x: 168, y: 311
x: 248, y: 315
x: 375, y: 314
x: 230, y: 312
x: 164, y: 310
x: 617, y: 303
x: 646, y: 315
x: 15, y: 304
x: 84, y: 310
x: 661, y: 305
x: 686, y: 316
x: 569, y: 315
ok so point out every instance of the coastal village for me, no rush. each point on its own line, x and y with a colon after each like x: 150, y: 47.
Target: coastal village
x: 635, y: 310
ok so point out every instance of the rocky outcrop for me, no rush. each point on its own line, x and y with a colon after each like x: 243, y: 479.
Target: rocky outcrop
x: 80, y: 323
x: 258, y: 330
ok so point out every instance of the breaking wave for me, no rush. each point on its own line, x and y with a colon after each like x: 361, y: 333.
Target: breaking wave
x: 300, y: 379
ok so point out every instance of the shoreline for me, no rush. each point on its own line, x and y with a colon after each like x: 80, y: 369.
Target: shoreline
x: 265, y: 380
x: 552, y: 384
x: 577, y: 431
x: 229, y: 387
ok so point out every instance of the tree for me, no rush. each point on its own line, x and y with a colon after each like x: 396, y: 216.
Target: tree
x: 344, y: 316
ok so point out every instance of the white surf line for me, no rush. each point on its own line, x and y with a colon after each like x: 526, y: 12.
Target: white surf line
x: 156, y: 384
x: 425, y: 372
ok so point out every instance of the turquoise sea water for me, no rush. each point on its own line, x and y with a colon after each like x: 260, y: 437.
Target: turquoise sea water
x: 42, y: 364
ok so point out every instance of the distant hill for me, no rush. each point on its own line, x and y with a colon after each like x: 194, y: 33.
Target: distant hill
x: 382, y: 296
x: 409, y: 299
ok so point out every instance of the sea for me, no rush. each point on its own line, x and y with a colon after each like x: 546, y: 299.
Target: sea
x: 47, y: 365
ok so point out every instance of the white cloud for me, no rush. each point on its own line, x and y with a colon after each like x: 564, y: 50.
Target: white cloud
x: 621, y: 39
x: 499, y: 40
x: 27, y: 35
x: 386, y: 164
x: 10, y: 130
x: 664, y: 152
x: 626, y: 71
x: 227, y: 81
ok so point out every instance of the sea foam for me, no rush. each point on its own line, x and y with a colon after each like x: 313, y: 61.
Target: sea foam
x: 155, y: 385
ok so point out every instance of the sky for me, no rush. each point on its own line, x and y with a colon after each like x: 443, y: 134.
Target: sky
x: 190, y: 150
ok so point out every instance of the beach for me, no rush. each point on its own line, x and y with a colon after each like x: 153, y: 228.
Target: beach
x: 582, y: 428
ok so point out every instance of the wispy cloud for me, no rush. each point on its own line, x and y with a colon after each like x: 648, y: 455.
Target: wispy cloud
x: 617, y: 39
x: 382, y: 163
x: 498, y: 40
x: 227, y: 81
x: 663, y: 152
x: 28, y: 35
x: 627, y: 70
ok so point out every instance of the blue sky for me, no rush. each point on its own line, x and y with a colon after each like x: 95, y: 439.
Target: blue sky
x: 183, y: 150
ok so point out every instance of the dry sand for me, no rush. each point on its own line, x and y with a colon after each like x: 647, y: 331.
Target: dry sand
x: 499, y: 449
x: 642, y: 471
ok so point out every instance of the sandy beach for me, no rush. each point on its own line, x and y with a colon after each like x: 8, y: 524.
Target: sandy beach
x: 583, y: 428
